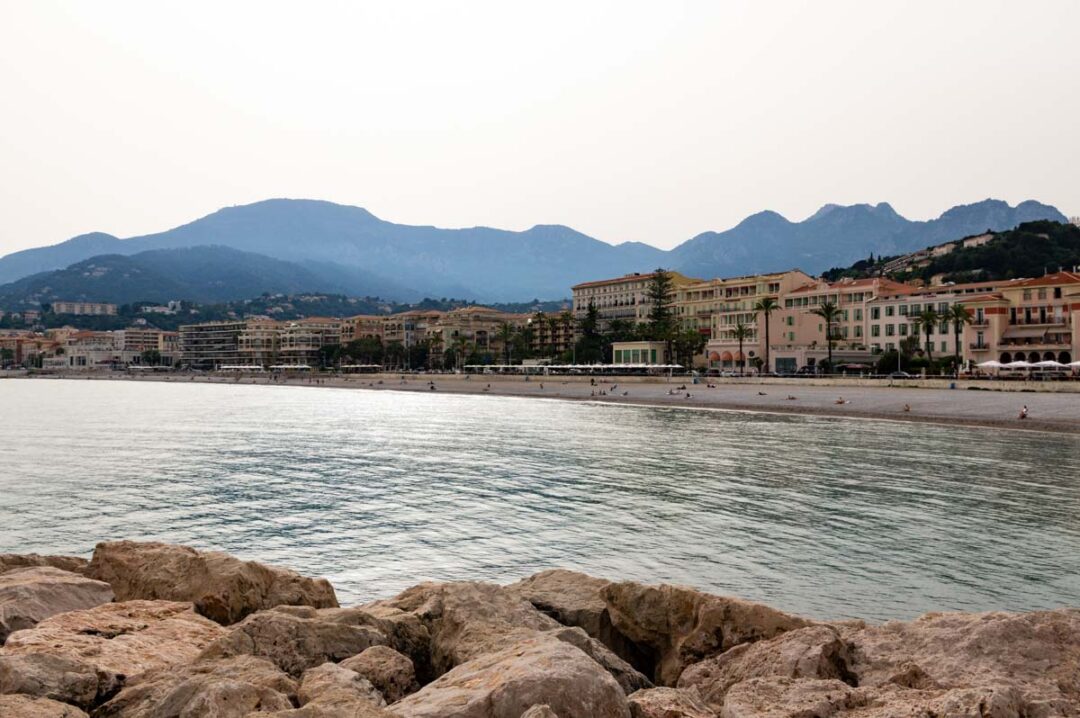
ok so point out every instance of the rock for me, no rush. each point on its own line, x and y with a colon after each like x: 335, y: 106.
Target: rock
x: 543, y: 711
x: 623, y: 673
x: 468, y: 619
x: 683, y: 626
x: 214, y: 689
x: 975, y: 702
x: 669, y: 703
x: 333, y: 704
x: 788, y: 698
x: 56, y: 677
x: 813, y: 652
x: 223, y: 588
x: 293, y: 643
x: 540, y: 670
x: 392, y: 673
x: 332, y: 678
x: 9, y: 561
x: 28, y: 595
x: 1037, y: 654
x: 120, y: 640
x: 20, y: 706
x: 576, y: 599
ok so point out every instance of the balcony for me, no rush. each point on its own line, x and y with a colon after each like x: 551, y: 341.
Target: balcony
x: 977, y: 347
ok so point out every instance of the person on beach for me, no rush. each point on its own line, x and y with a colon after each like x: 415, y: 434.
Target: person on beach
x: 907, y: 408
x: 840, y: 400
x: 1023, y: 412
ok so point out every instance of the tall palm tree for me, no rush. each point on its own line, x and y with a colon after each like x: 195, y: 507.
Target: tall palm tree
x: 553, y: 328
x: 741, y: 333
x: 958, y: 315
x: 566, y: 319
x: 766, y: 305
x: 435, y: 346
x: 461, y: 346
x: 506, y: 336
x: 830, y: 313
x: 926, y: 321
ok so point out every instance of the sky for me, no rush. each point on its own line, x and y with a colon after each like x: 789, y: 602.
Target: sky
x: 650, y: 121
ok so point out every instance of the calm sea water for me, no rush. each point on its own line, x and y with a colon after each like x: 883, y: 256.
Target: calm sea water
x: 379, y: 490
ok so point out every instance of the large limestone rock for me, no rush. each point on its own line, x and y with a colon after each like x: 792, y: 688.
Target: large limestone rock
x: 812, y: 652
x: 293, y: 643
x: 56, y: 677
x: 333, y: 704
x: 19, y: 706
x: 540, y: 670
x: 9, y: 561
x: 624, y: 674
x: 223, y: 588
x: 791, y: 698
x: 576, y: 599
x: 392, y: 673
x: 332, y: 678
x: 216, y: 689
x: 669, y: 703
x: 543, y: 711
x: 120, y: 640
x: 28, y: 595
x: 684, y: 626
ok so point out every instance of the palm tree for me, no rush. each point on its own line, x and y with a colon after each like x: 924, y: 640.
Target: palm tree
x: 766, y: 305
x: 741, y: 333
x: 506, y: 336
x: 461, y: 345
x: 958, y: 315
x: 830, y: 313
x: 926, y: 321
x: 553, y: 328
x: 566, y: 319
x: 435, y: 343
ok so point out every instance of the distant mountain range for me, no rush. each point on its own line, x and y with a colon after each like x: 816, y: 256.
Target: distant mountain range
x: 284, y: 245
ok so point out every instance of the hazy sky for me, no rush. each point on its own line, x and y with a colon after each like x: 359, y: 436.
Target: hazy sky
x: 628, y: 121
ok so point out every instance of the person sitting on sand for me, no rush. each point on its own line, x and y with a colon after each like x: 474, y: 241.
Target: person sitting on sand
x: 761, y: 393
x: 907, y: 408
x: 840, y: 400
x: 687, y: 395
x: 1024, y: 412
x: 790, y: 397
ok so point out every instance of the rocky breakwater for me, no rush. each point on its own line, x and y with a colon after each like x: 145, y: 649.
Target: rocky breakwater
x: 157, y: 631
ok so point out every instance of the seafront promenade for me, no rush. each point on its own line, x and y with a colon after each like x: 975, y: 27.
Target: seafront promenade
x: 998, y: 406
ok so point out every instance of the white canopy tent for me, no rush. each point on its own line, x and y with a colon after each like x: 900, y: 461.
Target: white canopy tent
x: 992, y: 364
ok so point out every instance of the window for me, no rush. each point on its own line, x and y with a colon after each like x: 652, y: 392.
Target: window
x: 875, y: 312
x: 944, y: 328
x: 943, y: 349
x: 903, y: 310
x: 903, y: 330
x: 915, y: 309
x: 858, y: 331
x: 1042, y: 293
x: 890, y: 330
x: 942, y: 307
x: 791, y: 336
x: 858, y: 315
x: 875, y: 330
x: 890, y: 310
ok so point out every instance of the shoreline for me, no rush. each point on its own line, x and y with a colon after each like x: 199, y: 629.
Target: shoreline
x: 1051, y: 412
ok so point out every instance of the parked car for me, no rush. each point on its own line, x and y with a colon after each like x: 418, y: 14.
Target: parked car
x: 901, y: 375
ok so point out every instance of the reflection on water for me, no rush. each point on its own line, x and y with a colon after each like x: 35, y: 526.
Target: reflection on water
x: 379, y: 490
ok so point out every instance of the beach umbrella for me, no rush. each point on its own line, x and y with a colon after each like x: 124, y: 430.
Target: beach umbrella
x: 1074, y: 364
x: 992, y: 364
x: 1016, y: 365
x: 1049, y: 364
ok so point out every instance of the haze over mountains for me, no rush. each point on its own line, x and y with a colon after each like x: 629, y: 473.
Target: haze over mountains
x: 284, y: 245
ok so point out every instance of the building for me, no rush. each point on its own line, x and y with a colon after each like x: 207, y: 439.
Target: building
x: 257, y: 343
x: 409, y: 328
x: 639, y: 353
x: 624, y: 298
x: 84, y: 308
x: 362, y: 326
x: 551, y: 334
x: 300, y: 341
x: 211, y: 345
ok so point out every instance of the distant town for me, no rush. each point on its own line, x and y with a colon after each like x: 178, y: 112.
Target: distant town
x: 784, y: 322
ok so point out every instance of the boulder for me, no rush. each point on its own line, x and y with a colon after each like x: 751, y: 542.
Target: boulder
x: 222, y: 587
x: 332, y: 678
x: 683, y: 626
x: 777, y: 697
x: 332, y: 704
x: 293, y: 643
x: 543, y: 711
x: 19, y: 706
x: 623, y: 673
x: 468, y: 619
x: 392, y: 673
x: 9, y: 561
x: 812, y: 652
x: 231, y: 688
x: 668, y: 703
x: 120, y: 640
x: 541, y: 670
x: 62, y: 679
x: 28, y: 595
x: 576, y: 599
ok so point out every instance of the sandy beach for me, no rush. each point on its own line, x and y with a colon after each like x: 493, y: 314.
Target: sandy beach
x: 1047, y: 411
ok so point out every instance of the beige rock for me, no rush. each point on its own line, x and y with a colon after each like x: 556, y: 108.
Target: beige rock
x: 19, y: 706
x: 540, y: 670
x: 788, y: 698
x: 973, y: 702
x: 812, y: 652
x: 392, y: 673
x: 28, y: 595
x: 56, y: 677
x: 543, y: 711
x: 669, y: 703
x: 9, y: 561
x: 576, y: 599
x: 214, y: 689
x: 293, y: 643
x: 332, y: 678
x: 683, y: 625
x: 223, y: 588
x: 332, y: 704
x: 623, y: 673
x: 120, y: 639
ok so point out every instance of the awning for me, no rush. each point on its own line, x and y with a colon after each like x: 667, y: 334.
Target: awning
x: 1024, y: 332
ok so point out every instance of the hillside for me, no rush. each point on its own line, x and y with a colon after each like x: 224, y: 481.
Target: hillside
x: 353, y: 249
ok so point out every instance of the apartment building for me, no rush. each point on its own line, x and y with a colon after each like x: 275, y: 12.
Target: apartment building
x: 257, y: 344
x: 211, y: 345
x: 362, y: 326
x: 625, y: 298
x: 409, y: 328
x: 551, y: 334
x: 84, y: 308
x: 300, y: 340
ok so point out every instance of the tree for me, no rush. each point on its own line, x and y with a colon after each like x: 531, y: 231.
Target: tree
x: 926, y: 321
x: 830, y: 313
x: 553, y: 329
x: 329, y: 355
x: 460, y: 346
x: 687, y: 344
x: 766, y: 306
x: 566, y: 320
x: 394, y: 354
x: 506, y: 336
x: 150, y: 357
x: 741, y: 333
x: 958, y: 315
x: 591, y: 344
x: 661, y: 295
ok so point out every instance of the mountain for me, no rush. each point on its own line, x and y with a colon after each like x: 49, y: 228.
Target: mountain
x: 350, y: 247
x: 200, y: 274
